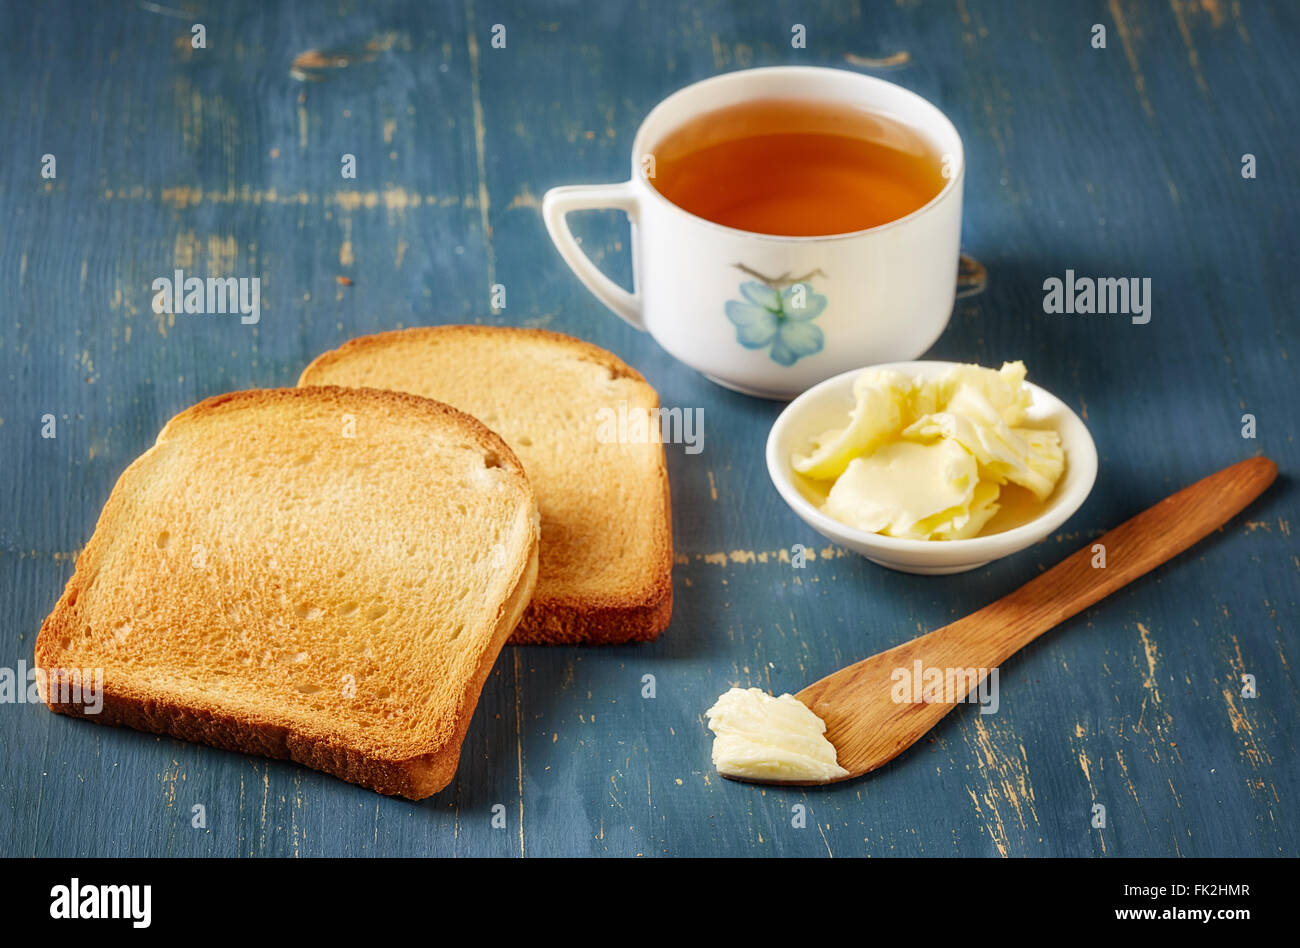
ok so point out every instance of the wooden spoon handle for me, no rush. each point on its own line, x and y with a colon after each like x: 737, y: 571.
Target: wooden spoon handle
x: 1133, y: 548
x: 869, y: 727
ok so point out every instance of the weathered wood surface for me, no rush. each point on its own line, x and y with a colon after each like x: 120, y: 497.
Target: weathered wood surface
x: 1123, y: 161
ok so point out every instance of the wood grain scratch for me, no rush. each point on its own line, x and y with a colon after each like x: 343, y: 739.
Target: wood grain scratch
x: 519, y: 745
x: 525, y: 198
x: 826, y: 842
x: 993, y: 827
x: 900, y: 58
x: 1080, y: 732
x: 1008, y: 790
x: 170, y: 775
x: 752, y: 557
x: 1237, y: 20
x: 346, y: 256
x: 1127, y: 40
x: 1241, y: 720
x: 1185, y: 31
x: 1153, y: 719
x: 394, y: 199
x: 480, y: 144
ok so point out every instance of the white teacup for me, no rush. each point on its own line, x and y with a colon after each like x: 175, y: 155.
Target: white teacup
x: 888, y: 290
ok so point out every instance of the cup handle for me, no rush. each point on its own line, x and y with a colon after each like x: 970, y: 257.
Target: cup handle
x: 556, y: 205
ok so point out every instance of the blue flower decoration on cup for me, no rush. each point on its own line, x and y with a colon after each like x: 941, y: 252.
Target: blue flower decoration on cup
x: 782, y: 319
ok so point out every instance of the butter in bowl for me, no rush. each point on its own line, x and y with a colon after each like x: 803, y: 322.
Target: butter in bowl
x: 931, y: 467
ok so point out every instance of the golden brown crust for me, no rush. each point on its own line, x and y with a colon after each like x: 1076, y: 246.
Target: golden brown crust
x: 342, y: 393
x: 604, y: 620
x: 414, y: 778
x: 611, y: 620
x: 594, y: 353
x: 125, y: 703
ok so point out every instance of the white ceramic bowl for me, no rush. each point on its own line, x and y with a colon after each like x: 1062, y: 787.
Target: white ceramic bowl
x: 827, y: 405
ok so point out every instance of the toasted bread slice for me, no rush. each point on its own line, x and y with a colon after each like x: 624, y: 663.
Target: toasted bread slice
x: 325, y: 575
x: 606, y: 558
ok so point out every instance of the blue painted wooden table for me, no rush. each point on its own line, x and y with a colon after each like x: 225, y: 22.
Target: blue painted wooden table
x: 1125, y: 160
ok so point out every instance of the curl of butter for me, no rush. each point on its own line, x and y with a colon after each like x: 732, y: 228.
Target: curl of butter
x: 925, y: 459
x: 760, y: 737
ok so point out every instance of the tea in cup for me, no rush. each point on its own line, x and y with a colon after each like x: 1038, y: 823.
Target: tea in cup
x: 788, y: 224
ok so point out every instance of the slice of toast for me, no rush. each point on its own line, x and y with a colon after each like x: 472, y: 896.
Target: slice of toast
x: 325, y: 575
x: 606, y: 558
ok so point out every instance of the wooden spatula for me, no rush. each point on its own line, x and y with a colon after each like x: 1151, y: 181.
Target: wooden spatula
x: 869, y: 729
